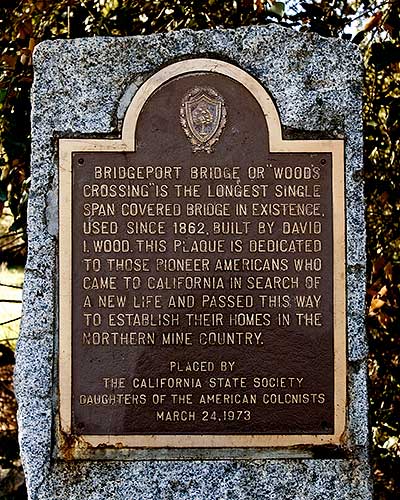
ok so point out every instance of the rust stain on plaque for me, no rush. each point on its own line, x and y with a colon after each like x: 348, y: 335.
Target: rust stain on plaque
x: 202, y: 266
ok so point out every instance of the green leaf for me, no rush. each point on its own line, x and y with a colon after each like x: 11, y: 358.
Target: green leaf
x: 359, y: 37
x: 3, y: 95
x: 277, y: 9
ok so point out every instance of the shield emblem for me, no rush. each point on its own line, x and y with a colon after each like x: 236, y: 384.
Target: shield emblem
x: 203, y: 117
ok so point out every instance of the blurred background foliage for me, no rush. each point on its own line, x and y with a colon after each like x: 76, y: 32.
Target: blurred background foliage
x: 373, y: 25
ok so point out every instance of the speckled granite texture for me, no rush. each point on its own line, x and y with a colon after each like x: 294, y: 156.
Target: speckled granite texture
x: 84, y: 86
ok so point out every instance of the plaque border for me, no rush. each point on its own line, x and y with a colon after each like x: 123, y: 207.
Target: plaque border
x: 87, y: 446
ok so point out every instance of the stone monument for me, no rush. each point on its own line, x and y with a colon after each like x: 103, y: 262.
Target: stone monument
x: 193, y: 303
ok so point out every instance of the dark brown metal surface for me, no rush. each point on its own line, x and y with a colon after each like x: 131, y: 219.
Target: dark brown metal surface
x: 237, y: 265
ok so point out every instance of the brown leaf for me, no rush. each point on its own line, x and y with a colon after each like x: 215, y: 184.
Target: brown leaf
x: 32, y: 43
x: 378, y: 264
x: 389, y: 28
x: 9, y: 60
x: 373, y: 21
x: 26, y: 56
x: 395, y: 67
x: 389, y: 271
x: 376, y: 304
x: 383, y: 198
x: 383, y: 291
x: 25, y: 29
x: 260, y: 6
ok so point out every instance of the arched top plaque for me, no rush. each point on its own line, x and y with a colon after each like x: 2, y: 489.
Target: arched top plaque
x: 202, y: 264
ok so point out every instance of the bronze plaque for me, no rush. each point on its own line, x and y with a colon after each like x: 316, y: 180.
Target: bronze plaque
x: 206, y: 271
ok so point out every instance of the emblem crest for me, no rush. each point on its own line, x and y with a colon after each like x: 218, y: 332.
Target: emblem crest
x: 203, y: 117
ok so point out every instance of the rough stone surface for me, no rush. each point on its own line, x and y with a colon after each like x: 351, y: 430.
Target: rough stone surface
x: 84, y: 86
